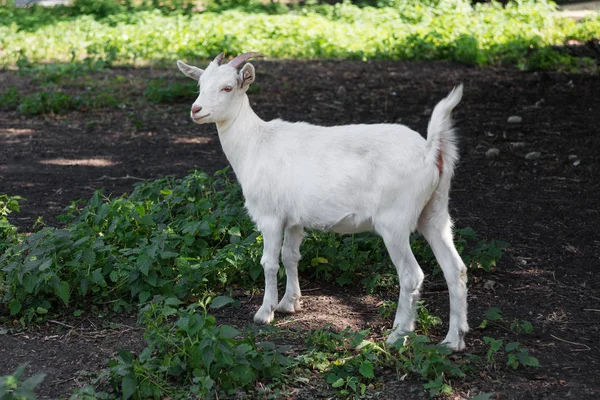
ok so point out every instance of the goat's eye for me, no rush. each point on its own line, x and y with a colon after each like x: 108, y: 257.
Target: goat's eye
x: 227, y: 89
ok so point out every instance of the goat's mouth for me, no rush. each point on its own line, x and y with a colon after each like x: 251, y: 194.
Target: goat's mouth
x: 200, y: 118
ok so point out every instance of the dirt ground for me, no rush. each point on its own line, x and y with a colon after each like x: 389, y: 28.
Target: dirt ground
x: 539, y: 191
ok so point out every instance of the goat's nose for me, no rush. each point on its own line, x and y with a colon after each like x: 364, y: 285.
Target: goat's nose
x: 196, y: 109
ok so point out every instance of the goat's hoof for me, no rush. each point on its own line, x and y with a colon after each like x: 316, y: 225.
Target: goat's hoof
x: 395, y: 337
x: 289, y: 306
x: 455, y: 342
x: 264, y: 316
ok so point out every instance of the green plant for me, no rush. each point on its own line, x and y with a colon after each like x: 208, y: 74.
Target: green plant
x: 189, y: 353
x: 10, y: 99
x: 168, y: 237
x: 520, y: 327
x: 387, y: 308
x: 425, y: 320
x: 346, y: 359
x: 98, y: 8
x: 431, y: 361
x: 481, y: 254
x: 515, y: 355
x: 159, y: 91
x: 494, y: 347
x: 8, y: 232
x: 12, y: 388
x: 49, y: 102
x: 491, y: 314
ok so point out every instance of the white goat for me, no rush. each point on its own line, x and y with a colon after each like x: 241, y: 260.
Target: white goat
x: 346, y: 179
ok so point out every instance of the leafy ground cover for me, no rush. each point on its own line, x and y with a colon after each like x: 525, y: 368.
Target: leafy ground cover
x: 521, y: 33
x: 180, y: 254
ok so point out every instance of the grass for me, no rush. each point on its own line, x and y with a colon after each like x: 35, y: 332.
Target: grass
x: 521, y: 33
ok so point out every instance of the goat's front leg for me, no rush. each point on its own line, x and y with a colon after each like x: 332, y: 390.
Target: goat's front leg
x: 272, y: 231
x: 290, y: 255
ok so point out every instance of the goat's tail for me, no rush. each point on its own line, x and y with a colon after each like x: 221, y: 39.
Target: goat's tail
x: 441, y: 139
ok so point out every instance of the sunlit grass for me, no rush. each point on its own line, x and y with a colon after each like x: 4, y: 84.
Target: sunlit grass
x: 452, y: 30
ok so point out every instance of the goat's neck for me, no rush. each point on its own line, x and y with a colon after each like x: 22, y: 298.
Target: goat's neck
x: 239, y: 135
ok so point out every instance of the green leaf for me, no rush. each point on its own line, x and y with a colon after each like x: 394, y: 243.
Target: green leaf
x: 366, y: 370
x: 63, y: 291
x: 173, y: 301
x: 129, y: 386
x: 147, y: 220
x: 493, y: 314
x: 98, y: 278
x: 228, y: 332
x: 204, y: 229
x: 45, y: 264
x: 144, y: 262
x: 242, y: 374
x: 511, y: 346
x: 221, y: 301
x: 527, y: 360
x: 30, y: 383
x: 144, y: 296
x: 89, y: 256
x: 126, y: 356
x: 207, y: 356
x: 318, y: 260
x: 114, y: 276
x: 338, y: 383
x: 14, y: 306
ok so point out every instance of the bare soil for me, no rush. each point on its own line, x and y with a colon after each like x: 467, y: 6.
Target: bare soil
x: 540, y: 193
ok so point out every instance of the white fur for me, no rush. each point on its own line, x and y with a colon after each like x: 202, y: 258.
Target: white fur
x: 384, y: 178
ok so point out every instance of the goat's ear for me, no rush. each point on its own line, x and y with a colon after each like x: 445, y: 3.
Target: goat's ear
x: 246, y: 76
x: 190, y: 70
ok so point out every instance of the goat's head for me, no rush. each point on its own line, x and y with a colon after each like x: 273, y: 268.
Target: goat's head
x: 222, y: 87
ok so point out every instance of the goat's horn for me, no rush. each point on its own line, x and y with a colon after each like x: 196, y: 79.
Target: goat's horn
x: 236, y: 62
x: 219, y: 58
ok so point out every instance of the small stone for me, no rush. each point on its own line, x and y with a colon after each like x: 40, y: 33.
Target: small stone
x: 573, y: 157
x: 489, y: 285
x: 514, y: 119
x: 534, y: 155
x: 517, y: 145
x: 576, y: 163
x: 492, y: 153
x: 341, y: 93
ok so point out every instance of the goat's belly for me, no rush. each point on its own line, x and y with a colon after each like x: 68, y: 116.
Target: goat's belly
x: 352, y: 224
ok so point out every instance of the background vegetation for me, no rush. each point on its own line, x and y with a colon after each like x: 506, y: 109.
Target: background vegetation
x: 521, y: 32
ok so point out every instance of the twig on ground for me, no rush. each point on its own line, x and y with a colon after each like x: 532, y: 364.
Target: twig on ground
x: 573, y: 343
x: 61, y: 323
x: 116, y: 178
x: 290, y: 321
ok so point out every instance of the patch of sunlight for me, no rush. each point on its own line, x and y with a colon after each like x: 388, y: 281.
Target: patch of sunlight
x: 85, y: 162
x: 191, y: 140
x: 16, y: 132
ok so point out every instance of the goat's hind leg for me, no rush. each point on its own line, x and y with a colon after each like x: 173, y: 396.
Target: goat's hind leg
x: 411, y: 278
x: 272, y: 231
x: 436, y: 226
x: 290, y: 255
